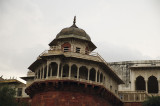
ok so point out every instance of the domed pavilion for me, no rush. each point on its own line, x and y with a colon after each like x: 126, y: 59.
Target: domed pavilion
x: 70, y: 73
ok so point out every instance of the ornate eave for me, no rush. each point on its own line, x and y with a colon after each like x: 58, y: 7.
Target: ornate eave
x: 64, y: 57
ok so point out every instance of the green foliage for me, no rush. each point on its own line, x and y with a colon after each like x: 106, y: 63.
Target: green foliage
x: 7, y: 96
x: 152, y: 101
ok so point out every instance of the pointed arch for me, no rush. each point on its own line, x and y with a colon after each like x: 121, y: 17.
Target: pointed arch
x: 66, y: 70
x: 39, y: 74
x: 74, y: 71
x: 140, y: 83
x: 45, y: 72
x: 54, y: 67
x: 92, y: 74
x: 83, y: 72
x: 152, y: 84
x: 66, y: 47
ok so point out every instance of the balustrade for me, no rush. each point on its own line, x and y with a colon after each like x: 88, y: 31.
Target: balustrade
x: 133, y: 96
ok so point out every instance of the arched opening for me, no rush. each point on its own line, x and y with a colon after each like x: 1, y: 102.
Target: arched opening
x: 98, y: 74
x: 38, y: 74
x: 92, y: 74
x: 54, y: 67
x: 66, y: 47
x: 74, y: 71
x: 101, y: 77
x: 83, y: 73
x: 41, y: 73
x: 140, y: 83
x: 45, y: 72
x: 152, y: 84
x: 66, y: 70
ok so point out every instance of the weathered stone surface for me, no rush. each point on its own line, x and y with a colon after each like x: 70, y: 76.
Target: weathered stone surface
x: 67, y: 98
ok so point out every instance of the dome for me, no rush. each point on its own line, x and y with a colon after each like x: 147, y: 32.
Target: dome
x: 73, y: 32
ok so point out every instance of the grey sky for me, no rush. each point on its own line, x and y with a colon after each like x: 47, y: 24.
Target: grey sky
x: 122, y: 30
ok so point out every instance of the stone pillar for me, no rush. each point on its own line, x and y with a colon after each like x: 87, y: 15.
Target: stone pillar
x: 88, y: 74
x: 47, y: 70
x: 99, y: 76
x: 58, y: 70
x: 62, y: 71
x: 96, y: 75
x: 146, y: 83
x: 40, y: 74
x: 77, y: 72
x: 51, y: 72
x: 134, y: 97
x: 69, y: 71
x: 132, y: 77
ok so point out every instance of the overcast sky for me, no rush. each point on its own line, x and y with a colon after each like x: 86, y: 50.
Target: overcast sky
x: 122, y: 30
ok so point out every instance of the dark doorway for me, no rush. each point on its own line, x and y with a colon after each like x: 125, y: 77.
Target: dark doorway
x: 54, y: 68
x: 140, y: 83
x: 83, y: 73
x: 74, y: 71
x: 152, y: 84
x: 92, y: 75
x: 66, y: 70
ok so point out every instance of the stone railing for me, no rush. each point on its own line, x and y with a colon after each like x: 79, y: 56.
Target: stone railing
x: 57, y: 51
x: 153, y: 94
x: 133, y: 96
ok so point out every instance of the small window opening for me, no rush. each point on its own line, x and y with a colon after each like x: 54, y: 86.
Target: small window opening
x: 66, y: 49
x: 78, y: 50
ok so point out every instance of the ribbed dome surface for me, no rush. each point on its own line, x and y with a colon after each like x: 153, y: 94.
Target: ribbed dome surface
x: 74, y: 32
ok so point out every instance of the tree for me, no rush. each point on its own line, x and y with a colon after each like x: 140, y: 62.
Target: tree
x: 152, y: 101
x: 7, y: 96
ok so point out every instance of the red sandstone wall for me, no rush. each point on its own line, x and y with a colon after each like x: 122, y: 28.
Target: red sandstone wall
x: 66, y: 98
x: 133, y: 104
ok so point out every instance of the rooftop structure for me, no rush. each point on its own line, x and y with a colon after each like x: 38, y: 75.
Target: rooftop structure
x: 70, y: 67
x: 141, y: 79
x: 16, y: 84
